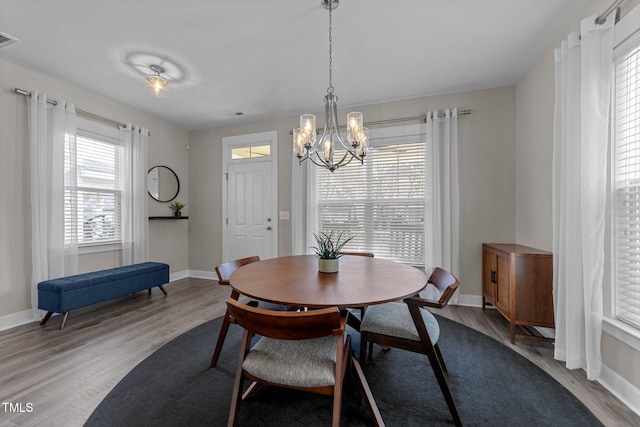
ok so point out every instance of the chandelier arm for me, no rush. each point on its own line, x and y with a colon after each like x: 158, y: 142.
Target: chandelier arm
x: 334, y: 122
x: 322, y: 163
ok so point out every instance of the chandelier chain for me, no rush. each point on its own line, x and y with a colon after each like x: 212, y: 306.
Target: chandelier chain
x: 330, y: 88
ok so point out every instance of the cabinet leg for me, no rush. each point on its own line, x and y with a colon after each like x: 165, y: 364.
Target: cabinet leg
x: 484, y: 303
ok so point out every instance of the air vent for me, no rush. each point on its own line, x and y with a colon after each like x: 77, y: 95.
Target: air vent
x: 6, y: 39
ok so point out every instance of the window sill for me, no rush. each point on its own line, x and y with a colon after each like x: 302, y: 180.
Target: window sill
x: 91, y: 249
x: 620, y: 330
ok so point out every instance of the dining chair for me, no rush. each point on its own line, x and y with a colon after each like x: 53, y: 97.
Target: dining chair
x: 302, y: 350
x: 409, y: 326
x: 223, y: 271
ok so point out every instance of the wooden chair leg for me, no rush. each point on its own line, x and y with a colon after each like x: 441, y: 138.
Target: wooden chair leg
x: 238, y: 383
x: 223, y: 333
x: 440, y: 359
x: 236, y: 398
x: 442, y: 382
x: 337, y: 408
x: 367, y: 395
x: 363, y: 351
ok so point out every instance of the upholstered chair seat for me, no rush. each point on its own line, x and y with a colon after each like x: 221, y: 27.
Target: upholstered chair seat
x: 288, y: 361
x: 394, y: 319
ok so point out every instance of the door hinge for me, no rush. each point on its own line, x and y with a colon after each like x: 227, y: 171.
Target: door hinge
x: 226, y: 176
x: 226, y: 221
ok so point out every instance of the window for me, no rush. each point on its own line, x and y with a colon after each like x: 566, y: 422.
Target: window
x: 93, y: 184
x: 626, y: 185
x: 381, y: 203
x: 251, y: 152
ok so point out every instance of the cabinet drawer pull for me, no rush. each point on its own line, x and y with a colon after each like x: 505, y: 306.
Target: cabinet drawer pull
x: 493, y: 277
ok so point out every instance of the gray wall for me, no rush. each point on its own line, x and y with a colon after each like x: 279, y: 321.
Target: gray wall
x: 487, y: 176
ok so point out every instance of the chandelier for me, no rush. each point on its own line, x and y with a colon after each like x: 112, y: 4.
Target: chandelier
x: 156, y: 84
x: 321, y: 151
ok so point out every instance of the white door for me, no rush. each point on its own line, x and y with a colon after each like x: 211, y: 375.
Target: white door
x: 250, y: 228
x: 250, y: 197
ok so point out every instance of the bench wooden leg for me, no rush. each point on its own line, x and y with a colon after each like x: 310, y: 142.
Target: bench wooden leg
x: 161, y: 288
x: 46, y: 317
x: 63, y: 319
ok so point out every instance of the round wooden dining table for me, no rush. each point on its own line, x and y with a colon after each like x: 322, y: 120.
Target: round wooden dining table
x: 295, y: 281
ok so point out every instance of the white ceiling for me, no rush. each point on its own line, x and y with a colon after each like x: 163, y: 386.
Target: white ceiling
x: 269, y: 58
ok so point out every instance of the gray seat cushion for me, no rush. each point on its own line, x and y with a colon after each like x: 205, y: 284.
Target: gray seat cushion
x: 394, y: 319
x: 302, y: 363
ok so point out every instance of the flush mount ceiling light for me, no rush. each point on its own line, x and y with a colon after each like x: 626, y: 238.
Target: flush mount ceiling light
x: 156, y: 84
x: 321, y: 151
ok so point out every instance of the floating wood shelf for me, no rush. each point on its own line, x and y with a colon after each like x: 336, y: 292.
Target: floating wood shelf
x: 168, y: 217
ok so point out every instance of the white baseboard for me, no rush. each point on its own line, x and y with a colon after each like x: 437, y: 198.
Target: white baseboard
x: 203, y: 274
x: 16, y: 319
x: 178, y: 275
x: 621, y: 388
x: 468, y: 300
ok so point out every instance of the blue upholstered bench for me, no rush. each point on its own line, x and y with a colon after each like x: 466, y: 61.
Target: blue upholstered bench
x: 68, y: 293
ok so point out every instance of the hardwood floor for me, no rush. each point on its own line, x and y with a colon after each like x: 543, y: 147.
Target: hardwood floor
x: 64, y: 375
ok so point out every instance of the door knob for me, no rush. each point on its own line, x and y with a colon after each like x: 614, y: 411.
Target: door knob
x: 268, y: 227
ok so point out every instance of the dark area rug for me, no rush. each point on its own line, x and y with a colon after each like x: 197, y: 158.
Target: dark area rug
x: 492, y: 386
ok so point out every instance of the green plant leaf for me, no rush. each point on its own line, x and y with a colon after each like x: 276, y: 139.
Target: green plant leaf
x: 328, y: 247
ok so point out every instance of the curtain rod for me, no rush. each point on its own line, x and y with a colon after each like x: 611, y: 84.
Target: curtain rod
x: 600, y: 19
x: 401, y: 119
x: 409, y: 119
x: 83, y: 112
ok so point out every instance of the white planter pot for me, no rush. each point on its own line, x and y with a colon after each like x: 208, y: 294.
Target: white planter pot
x: 328, y: 265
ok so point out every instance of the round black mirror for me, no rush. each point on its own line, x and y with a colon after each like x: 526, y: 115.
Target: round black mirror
x: 163, y: 184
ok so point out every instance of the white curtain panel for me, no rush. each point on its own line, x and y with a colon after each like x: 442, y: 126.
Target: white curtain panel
x: 442, y: 210
x: 298, y: 207
x: 48, y: 126
x: 304, y: 214
x: 583, y: 76
x: 135, y: 208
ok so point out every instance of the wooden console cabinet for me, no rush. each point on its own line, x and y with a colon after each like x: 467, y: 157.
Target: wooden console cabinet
x: 518, y: 282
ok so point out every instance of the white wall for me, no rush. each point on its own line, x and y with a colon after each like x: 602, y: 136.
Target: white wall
x: 168, y: 239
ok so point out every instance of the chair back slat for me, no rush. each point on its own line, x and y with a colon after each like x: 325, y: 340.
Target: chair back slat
x: 445, y: 282
x: 224, y: 270
x: 287, y: 325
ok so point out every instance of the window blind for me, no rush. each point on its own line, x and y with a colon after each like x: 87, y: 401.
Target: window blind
x: 380, y: 203
x: 626, y: 198
x: 93, y: 182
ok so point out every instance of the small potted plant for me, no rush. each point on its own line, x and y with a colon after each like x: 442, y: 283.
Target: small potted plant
x: 328, y: 251
x: 177, y: 207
